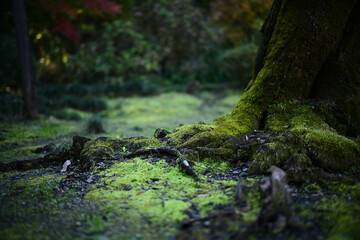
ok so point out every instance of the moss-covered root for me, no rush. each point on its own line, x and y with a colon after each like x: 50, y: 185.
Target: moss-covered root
x: 102, y: 149
x: 332, y: 151
x: 308, y: 147
x: 183, y: 133
x: 307, y: 154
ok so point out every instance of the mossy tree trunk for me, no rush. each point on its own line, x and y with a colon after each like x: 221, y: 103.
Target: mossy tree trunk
x: 308, y: 49
x: 305, y: 90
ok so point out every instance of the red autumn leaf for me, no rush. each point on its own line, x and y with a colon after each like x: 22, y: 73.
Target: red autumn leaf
x: 67, y: 29
x: 100, y: 6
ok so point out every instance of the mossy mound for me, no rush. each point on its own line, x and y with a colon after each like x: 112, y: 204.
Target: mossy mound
x: 102, y: 149
x: 184, y: 132
x: 307, y: 145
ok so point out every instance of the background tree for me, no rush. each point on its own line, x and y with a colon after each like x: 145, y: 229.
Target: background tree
x: 27, y: 70
x: 240, y: 19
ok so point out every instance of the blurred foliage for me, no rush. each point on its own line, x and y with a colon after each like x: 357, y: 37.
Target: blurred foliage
x: 188, y: 37
x: 173, y: 39
x: 57, y: 27
x: 9, y: 67
x: 120, y: 52
x: 240, y: 19
x: 95, y: 125
x: 86, y: 49
x: 237, y: 63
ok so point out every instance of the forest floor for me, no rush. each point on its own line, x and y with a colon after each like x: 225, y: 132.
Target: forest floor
x: 150, y: 197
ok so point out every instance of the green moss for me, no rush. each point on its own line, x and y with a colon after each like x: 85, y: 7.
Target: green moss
x: 39, y: 181
x: 103, y: 148
x: 158, y: 192
x: 22, y: 133
x: 343, y: 220
x: 183, y: 133
x: 211, y: 165
x: 23, y: 153
x: 166, y: 110
x: 308, y: 142
x: 292, y: 115
x: 332, y: 151
x: 286, y: 151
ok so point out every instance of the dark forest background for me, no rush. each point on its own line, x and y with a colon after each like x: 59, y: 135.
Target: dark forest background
x: 85, y: 49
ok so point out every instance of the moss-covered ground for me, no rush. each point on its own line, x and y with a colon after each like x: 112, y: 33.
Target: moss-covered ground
x: 151, y: 197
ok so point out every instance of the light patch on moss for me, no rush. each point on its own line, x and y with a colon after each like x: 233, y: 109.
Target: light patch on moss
x: 166, y: 110
x: 212, y: 165
x: 158, y: 192
x: 21, y: 133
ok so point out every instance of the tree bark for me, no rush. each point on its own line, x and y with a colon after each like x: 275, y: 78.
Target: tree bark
x: 339, y: 77
x: 27, y: 70
x: 300, y: 39
x: 309, y: 50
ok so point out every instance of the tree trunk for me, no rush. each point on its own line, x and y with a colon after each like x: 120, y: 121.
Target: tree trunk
x: 339, y: 78
x: 27, y: 71
x: 305, y: 90
x: 303, y: 43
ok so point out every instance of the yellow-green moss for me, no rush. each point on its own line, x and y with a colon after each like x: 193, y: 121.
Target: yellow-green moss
x: 183, y: 133
x: 21, y: 133
x: 158, y: 192
x: 210, y: 163
x: 308, y: 141
x: 103, y: 148
x: 332, y: 151
x: 17, y: 154
x: 166, y: 110
x: 38, y: 181
x: 292, y: 115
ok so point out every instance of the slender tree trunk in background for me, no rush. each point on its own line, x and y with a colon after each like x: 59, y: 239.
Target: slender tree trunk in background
x: 27, y: 71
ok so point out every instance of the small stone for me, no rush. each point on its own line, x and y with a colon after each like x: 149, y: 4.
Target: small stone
x: 89, y: 180
x: 128, y: 187
x: 243, y: 174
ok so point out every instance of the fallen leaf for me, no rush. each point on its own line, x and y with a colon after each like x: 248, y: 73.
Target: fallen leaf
x: 203, y: 195
x: 65, y: 165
